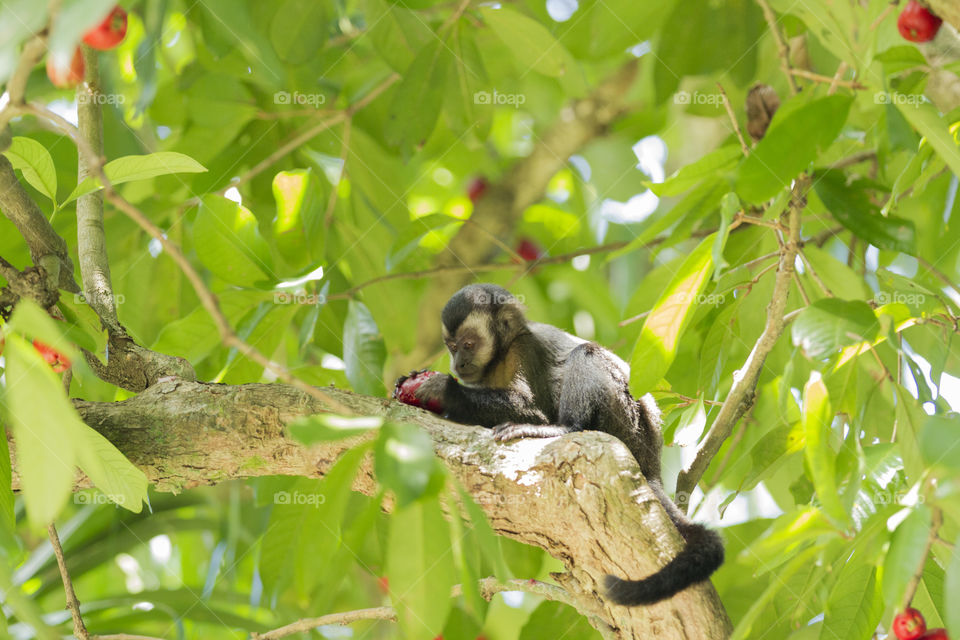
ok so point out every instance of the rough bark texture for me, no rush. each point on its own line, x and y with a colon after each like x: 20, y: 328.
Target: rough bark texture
x: 580, y: 497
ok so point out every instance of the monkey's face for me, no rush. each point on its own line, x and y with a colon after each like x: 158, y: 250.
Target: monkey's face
x: 471, y: 347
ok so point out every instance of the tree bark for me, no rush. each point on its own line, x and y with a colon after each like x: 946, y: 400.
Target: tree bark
x: 580, y: 497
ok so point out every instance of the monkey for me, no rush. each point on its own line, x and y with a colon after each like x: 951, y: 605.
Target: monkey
x: 532, y: 380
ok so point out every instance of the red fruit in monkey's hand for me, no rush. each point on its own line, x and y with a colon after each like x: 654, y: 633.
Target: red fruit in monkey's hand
x: 909, y: 625
x: 935, y: 634
x: 917, y: 24
x: 406, y: 388
x: 51, y: 356
x: 108, y: 33
x: 69, y: 77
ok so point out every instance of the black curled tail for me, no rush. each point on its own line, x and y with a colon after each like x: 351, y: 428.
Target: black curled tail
x: 700, y: 557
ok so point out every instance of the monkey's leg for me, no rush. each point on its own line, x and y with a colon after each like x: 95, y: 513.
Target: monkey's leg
x: 595, y: 394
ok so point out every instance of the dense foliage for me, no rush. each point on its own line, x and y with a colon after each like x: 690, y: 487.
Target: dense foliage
x: 311, y: 157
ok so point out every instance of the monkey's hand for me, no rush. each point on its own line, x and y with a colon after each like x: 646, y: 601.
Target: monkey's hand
x: 421, y: 389
x: 507, y: 431
x: 431, y: 390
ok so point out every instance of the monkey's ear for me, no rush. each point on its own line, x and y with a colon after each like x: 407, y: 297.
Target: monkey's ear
x: 509, y: 322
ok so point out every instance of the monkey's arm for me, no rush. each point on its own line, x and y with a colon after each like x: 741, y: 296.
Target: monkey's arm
x: 486, y: 407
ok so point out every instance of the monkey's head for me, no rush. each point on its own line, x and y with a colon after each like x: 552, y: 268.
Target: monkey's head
x: 479, y: 324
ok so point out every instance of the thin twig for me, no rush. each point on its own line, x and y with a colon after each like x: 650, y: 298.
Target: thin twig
x: 346, y: 617
x: 856, y: 158
x: 816, y: 277
x: 782, y: 49
x: 733, y: 120
x: 803, y: 292
x: 760, y: 222
x: 890, y: 8
x: 939, y: 274
x: 833, y: 82
x: 79, y: 629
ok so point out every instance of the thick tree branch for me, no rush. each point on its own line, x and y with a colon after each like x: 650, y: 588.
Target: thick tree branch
x: 741, y: 395
x: 496, y: 213
x: 47, y: 249
x: 580, y: 497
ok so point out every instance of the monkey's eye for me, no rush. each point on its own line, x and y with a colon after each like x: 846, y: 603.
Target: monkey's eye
x: 468, y: 345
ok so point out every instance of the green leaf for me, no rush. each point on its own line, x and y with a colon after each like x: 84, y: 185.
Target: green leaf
x: 855, y: 605
x: 531, y: 43
x: 791, y: 143
x: 33, y: 322
x: 820, y: 456
x: 304, y: 531
x: 601, y: 28
x: 729, y: 206
x: 36, y: 163
x: 404, y: 461
x: 701, y: 36
x: 713, y: 165
x: 939, y: 441
x: 549, y: 618
x: 830, y: 323
x: 8, y: 521
x: 418, y: 98
x: 326, y: 428
x: 297, y: 27
x: 397, y: 33
x: 659, y: 338
x: 228, y: 242
x: 851, y: 206
x: 925, y: 119
x: 363, y: 351
x: 487, y: 540
x: 130, y: 168
x: 910, y: 418
x: 842, y: 281
x: 419, y: 583
x: 951, y: 591
x: 907, y: 548
x: 41, y: 420
x: 301, y: 198
x: 108, y: 469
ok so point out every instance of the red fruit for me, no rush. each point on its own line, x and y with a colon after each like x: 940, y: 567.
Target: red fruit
x: 406, y: 387
x: 384, y: 583
x: 51, y: 356
x: 917, y: 24
x: 476, y: 188
x: 909, y: 625
x: 529, y: 250
x: 935, y: 634
x: 69, y: 77
x: 108, y: 33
